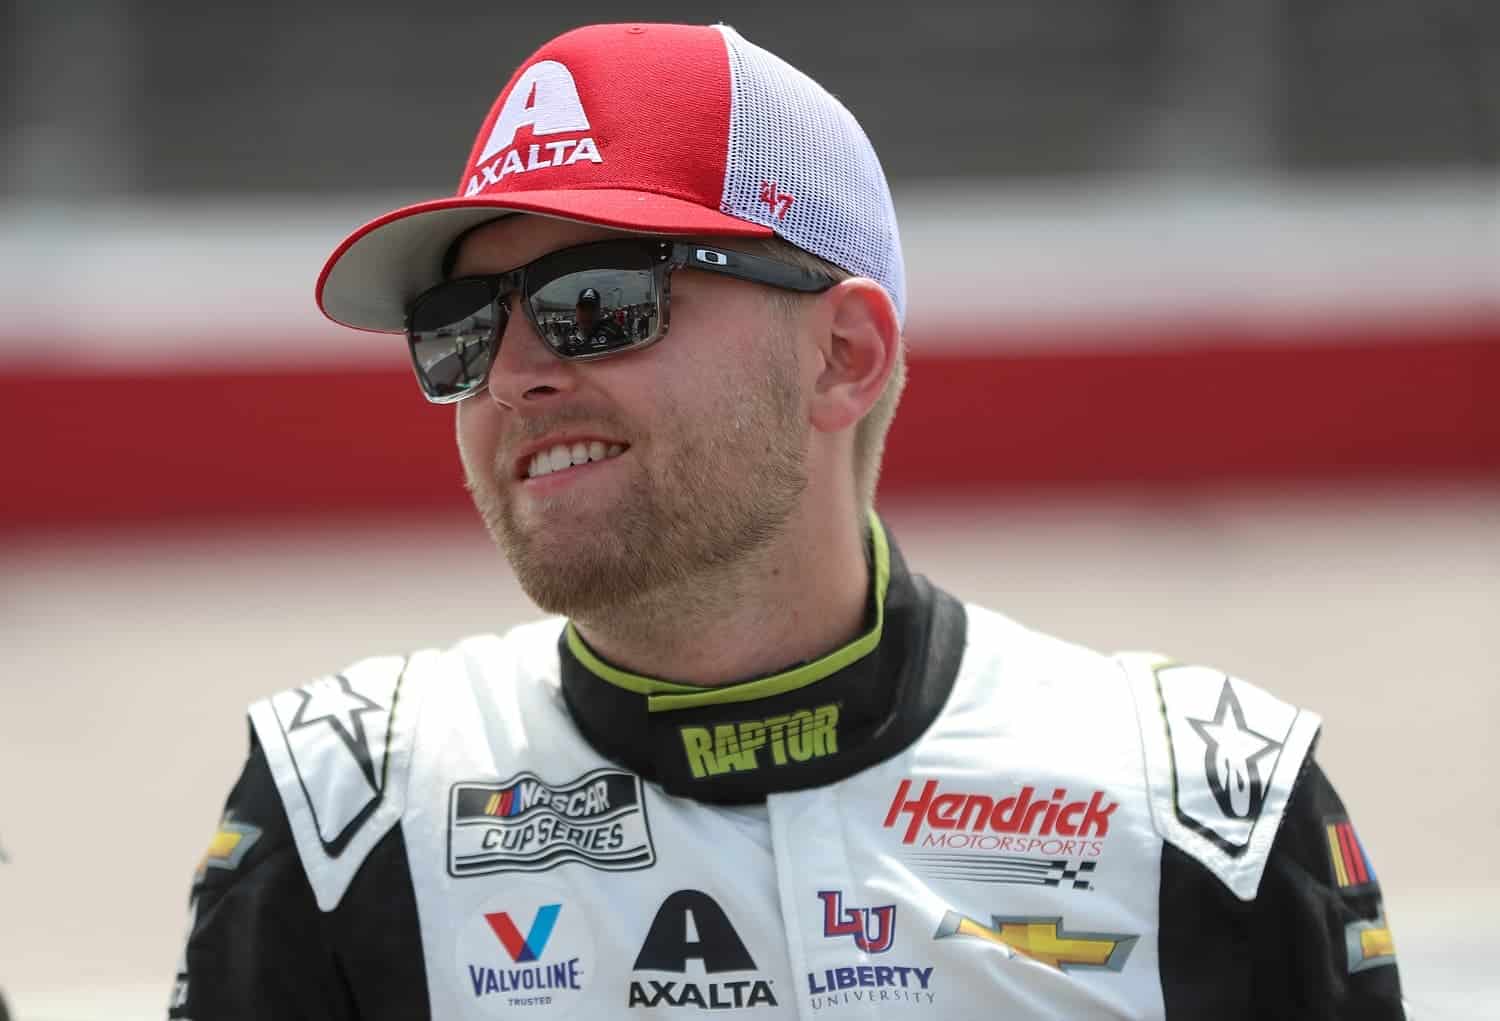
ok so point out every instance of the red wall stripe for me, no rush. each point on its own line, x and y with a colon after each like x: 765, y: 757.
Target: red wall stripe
x: 94, y: 447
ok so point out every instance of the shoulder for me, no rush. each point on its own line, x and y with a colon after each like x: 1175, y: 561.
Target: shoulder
x: 1219, y: 757
x: 1222, y: 759
x: 332, y: 747
x: 998, y: 645
x: 339, y: 748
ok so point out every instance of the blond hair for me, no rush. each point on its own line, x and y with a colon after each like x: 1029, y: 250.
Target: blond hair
x: 869, y: 435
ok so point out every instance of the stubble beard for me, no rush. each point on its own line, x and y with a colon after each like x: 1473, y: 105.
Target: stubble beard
x: 668, y: 544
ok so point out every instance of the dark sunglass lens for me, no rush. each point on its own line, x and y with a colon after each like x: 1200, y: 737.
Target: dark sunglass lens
x: 452, y: 335
x: 596, y: 311
x: 449, y: 303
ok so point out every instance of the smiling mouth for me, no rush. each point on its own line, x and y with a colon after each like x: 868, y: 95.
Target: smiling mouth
x: 566, y: 455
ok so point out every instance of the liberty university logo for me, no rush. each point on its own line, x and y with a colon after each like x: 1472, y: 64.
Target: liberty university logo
x: 873, y: 929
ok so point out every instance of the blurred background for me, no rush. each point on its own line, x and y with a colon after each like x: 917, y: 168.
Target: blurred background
x: 1205, y: 357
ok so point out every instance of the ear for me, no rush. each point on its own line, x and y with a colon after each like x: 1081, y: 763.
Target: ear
x: 857, y: 353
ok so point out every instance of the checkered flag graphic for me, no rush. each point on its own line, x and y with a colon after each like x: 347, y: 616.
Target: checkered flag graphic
x: 1014, y: 869
x: 1061, y: 872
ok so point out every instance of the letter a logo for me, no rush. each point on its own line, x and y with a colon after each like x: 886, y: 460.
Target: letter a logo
x: 669, y: 945
x: 544, y: 97
x: 529, y: 949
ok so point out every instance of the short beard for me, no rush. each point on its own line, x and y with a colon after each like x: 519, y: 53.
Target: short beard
x: 674, y: 544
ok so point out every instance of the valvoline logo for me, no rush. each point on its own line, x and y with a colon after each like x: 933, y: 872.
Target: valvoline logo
x: 527, y: 949
x: 531, y: 946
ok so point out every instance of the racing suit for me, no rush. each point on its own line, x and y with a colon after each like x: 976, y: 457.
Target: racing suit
x: 950, y: 816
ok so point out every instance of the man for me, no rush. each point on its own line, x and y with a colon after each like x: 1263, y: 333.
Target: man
x: 762, y: 767
x: 591, y: 333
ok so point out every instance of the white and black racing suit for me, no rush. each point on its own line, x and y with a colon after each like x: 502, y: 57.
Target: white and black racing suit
x: 952, y: 816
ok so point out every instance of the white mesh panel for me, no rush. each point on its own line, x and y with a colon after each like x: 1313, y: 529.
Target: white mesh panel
x: 787, y: 131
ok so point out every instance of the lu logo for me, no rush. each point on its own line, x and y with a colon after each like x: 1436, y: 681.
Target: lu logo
x: 873, y: 929
x: 532, y: 946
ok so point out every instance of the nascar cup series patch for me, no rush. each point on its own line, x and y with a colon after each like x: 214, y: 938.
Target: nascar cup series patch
x: 526, y: 824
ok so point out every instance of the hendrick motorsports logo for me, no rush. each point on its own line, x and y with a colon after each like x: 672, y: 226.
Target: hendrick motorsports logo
x: 1017, y: 870
x: 1058, y: 827
x: 527, y: 825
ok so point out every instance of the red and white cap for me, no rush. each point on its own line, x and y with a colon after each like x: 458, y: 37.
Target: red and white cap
x: 676, y: 130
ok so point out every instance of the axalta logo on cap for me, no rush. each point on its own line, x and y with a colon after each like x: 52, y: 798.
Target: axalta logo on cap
x: 544, y: 98
x: 1018, y: 813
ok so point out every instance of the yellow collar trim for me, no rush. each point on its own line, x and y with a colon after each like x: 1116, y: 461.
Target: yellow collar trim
x: 664, y: 696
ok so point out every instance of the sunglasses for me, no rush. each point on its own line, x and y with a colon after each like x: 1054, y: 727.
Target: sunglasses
x: 587, y: 302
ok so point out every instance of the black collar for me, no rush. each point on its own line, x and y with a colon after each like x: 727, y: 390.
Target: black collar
x: 809, y: 725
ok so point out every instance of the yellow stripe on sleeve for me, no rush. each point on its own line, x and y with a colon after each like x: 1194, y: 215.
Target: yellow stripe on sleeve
x: 1338, y: 856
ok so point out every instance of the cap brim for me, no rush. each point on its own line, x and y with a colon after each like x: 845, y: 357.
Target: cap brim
x: 371, y: 277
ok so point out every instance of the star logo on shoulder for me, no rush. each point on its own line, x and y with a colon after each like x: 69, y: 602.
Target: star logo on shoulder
x: 335, y: 702
x: 1232, y: 757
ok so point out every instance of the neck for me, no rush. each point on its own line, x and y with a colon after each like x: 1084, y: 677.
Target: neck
x: 792, y: 601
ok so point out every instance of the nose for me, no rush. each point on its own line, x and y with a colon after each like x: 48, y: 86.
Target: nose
x: 525, y: 372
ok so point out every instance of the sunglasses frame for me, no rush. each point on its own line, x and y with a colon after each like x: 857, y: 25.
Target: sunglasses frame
x: 663, y: 255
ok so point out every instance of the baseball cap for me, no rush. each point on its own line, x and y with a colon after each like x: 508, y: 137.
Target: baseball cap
x: 678, y: 130
x: 588, y: 296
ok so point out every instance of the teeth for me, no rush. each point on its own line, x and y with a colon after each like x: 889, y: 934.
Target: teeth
x: 563, y: 455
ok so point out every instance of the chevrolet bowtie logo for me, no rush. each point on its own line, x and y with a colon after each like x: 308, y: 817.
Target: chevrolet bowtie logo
x: 230, y: 845
x: 1369, y: 944
x: 1044, y: 940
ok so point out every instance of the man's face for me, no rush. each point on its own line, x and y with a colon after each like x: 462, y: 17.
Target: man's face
x: 710, y: 426
x: 585, y: 313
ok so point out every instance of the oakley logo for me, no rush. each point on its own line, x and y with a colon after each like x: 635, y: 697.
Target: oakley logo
x: 712, y: 258
x: 545, y: 99
x: 530, y: 948
x: 873, y: 929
